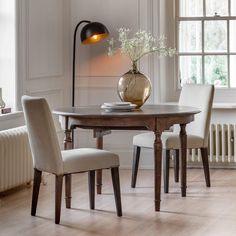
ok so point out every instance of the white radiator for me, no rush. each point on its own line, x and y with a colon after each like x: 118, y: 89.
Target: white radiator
x: 222, y: 144
x: 15, y: 158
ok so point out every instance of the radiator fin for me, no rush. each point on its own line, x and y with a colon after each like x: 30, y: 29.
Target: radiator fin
x: 15, y: 158
x: 221, y: 144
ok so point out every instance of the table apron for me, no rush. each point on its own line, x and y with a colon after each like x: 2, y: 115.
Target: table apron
x: 128, y: 123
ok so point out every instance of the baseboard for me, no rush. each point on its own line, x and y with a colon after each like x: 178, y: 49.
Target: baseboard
x: 189, y: 166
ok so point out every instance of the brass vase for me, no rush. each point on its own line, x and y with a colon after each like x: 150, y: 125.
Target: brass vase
x: 134, y: 87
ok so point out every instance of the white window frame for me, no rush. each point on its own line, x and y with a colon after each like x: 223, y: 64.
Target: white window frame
x: 202, y: 19
x: 8, y: 96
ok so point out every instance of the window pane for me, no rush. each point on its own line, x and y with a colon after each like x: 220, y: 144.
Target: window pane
x: 216, y: 70
x: 190, y: 69
x: 191, y: 8
x: 219, y: 7
x: 232, y: 71
x: 232, y: 36
x: 190, y: 36
x: 215, y: 36
x: 233, y: 7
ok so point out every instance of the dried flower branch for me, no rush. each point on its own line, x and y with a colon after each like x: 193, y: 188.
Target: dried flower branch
x: 141, y: 44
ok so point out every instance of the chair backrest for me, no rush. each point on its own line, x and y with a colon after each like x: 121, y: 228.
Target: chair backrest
x: 199, y: 96
x: 42, y: 135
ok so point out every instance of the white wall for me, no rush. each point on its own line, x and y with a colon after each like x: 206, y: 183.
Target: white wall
x: 97, y: 74
x: 42, y: 55
x: 43, y: 50
x: 45, y: 58
x: 45, y: 30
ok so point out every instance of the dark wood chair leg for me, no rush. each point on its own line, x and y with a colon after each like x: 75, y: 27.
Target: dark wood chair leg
x: 166, y: 168
x: 116, y: 187
x: 91, y: 182
x: 176, y: 165
x: 136, y: 157
x: 36, y: 187
x: 68, y: 190
x: 205, y: 163
x: 58, y: 194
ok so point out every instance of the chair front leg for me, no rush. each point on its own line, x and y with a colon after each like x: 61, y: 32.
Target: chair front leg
x: 166, y: 167
x: 36, y: 187
x: 68, y: 190
x: 58, y: 194
x: 91, y: 182
x: 116, y: 187
x: 205, y: 163
x: 136, y: 157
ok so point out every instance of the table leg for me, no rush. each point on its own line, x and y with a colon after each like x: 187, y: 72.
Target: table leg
x: 99, y: 145
x: 68, y: 144
x: 183, y: 151
x: 73, y: 138
x: 157, y: 169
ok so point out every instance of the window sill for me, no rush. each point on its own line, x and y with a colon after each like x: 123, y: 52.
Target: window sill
x: 224, y: 105
x: 11, y: 120
x: 12, y: 115
x: 216, y: 105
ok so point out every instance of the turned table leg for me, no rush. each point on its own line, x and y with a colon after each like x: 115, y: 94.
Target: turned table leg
x: 68, y: 144
x: 157, y: 169
x: 69, y: 135
x: 183, y: 150
x: 99, y: 145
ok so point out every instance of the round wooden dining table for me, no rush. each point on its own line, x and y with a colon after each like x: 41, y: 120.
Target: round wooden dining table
x: 155, y: 118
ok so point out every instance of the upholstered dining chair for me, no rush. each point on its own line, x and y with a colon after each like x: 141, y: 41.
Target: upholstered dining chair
x: 48, y: 157
x: 199, y: 96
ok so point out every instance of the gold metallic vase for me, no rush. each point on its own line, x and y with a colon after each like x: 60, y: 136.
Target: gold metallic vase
x: 134, y: 87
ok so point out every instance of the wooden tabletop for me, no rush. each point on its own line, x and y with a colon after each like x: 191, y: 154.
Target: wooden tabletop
x: 146, y: 110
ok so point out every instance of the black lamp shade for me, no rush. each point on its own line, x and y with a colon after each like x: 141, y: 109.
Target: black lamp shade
x: 93, y: 32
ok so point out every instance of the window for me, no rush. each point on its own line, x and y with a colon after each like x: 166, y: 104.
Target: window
x: 7, y: 51
x: 206, y: 42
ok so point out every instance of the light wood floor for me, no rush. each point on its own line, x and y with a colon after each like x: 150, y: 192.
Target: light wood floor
x: 205, y: 211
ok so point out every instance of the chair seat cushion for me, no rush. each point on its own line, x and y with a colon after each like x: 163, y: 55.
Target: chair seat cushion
x: 85, y: 159
x: 169, y: 140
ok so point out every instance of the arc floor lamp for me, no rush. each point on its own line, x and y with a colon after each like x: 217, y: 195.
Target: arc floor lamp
x: 91, y: 33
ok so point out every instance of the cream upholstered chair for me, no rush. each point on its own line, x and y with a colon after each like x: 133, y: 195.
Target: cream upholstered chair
x: 199, y: 96
x: 48, y: 157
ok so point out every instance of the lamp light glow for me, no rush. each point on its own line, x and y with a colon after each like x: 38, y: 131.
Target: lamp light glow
x: 95, y: 38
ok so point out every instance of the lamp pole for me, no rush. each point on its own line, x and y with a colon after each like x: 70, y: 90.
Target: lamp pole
x: 73, y: 69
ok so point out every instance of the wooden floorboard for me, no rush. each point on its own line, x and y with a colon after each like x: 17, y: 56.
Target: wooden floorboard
x: 205, y: 211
